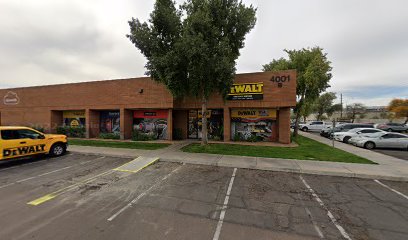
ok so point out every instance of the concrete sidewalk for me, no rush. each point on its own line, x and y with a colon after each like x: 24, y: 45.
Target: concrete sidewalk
x: 388, y: 168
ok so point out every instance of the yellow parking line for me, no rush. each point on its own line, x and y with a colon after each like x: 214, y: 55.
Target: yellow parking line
x: 53, y: 195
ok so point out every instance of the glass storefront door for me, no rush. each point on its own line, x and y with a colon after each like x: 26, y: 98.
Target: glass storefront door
x: 215, y: 121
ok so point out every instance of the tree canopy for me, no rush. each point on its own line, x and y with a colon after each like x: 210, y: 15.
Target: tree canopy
x: 399, y: 107
x: 193, y: 49
x: 313, y: 74
x: 324, y: 105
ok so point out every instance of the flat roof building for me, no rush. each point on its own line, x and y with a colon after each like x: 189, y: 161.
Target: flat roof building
x: 257, y: 107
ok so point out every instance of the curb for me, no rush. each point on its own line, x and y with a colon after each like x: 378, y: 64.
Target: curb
x: 277, y: 169
x: 311, y: 172
x: 104, y: 154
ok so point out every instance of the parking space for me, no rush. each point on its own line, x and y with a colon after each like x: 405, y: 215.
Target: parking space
x: 82, y: 197
x: 397, y: 153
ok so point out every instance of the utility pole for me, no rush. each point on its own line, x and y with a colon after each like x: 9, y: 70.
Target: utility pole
x: 341, y: 103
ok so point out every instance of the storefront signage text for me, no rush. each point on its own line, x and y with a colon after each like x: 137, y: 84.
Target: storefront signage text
x: 246, y: 91
x: 253, y: 113
x: 280, y: 80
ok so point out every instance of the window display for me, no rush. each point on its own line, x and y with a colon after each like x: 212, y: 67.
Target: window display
x: 73, y: 118
x: 252, y: 124
x: 151, y: 122
x: 110, y: 122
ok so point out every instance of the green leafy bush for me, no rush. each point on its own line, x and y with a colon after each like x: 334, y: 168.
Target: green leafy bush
x: 72, y: 131
x: 109, y: 135
x: 253, y: 138
x: 140, y: 136
x: 238, y: 137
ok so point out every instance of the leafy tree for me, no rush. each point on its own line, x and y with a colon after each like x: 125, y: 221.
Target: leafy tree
x: 324, y: 104
x: 400, y: 108
x: 306, y: 110
x: 313, y: 75
x: 354, y: 109
x: 334, y: 108
x: 193, y: 50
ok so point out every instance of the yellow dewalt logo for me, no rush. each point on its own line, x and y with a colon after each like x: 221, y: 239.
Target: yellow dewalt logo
x: 246, y: 88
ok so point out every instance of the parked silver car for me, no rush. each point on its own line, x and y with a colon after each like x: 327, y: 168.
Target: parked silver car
x: 346, y: 136
x: 392, y: 127
x: 381, y: 140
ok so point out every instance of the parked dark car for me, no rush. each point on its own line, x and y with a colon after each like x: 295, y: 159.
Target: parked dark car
x: 392, y: 127
x: 328, y: 132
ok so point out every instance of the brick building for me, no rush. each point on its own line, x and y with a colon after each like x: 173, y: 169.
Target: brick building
x: 258, y: 106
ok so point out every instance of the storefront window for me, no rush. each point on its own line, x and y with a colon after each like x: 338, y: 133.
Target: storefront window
x: 73, y: 118
x: 110, y: 122
x: 252, y: 124
x: 152, y: 123
x: 214, y: 124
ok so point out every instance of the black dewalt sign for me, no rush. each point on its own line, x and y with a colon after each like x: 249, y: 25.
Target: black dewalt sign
x: 246, y: 91
x: 23, y: 150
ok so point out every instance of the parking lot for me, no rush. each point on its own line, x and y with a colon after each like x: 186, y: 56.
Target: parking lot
x: 398, y: 153
x: 81, y: 196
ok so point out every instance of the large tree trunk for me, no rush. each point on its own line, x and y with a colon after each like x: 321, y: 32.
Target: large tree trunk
x: 204, y: 131
x: 296, y: 129
x: 298, y: 115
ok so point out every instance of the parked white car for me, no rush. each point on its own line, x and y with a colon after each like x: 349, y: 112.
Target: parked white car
x: 362, y: 132
x: 314, y: 126
x: 382, y: 140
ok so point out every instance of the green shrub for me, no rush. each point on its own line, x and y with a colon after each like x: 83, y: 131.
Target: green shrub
x: 140, y: 136
x: 177, y: 134
x: 109, y: 135
x: 253, y: 138
x: 238, y: 137
x: 72, y: 131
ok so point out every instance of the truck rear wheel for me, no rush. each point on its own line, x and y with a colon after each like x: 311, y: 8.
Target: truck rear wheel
x: 57, y: 149
x: 304, y: 129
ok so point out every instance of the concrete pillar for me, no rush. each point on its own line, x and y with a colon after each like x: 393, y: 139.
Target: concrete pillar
x: 56, y: 121
x: 284, y: 125
x: 92, y: 122
x: 126, y: 122
x: 170, y: 125
x: 87, y: 123
x: 227, y: 124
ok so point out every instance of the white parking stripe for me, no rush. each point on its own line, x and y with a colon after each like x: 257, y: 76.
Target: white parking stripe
x: 47, y: 173
x: 319, y: 232
x: 399, y: 193
x: 54, y: 171
x: 142, y: 195
x: 332, y: 218
x: 224, y: 207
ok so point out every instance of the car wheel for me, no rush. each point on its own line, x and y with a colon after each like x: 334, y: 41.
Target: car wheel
x: 305, y: 129
x: 346, y: 139
x: 369, y: 145
x: 57, y: 149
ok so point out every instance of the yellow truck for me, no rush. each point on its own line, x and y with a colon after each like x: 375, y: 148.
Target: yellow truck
x: 16, y: 142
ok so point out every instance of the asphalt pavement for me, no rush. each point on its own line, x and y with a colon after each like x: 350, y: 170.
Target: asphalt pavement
x: 79, y: 196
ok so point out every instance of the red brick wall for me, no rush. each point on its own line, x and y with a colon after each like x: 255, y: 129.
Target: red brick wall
x: 42, y: 105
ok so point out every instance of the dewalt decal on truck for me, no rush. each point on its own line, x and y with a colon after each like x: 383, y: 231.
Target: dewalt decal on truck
x: 17, y: 142
x: 24, y: 150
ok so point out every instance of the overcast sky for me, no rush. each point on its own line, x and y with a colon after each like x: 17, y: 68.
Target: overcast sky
x: 60, y: 41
